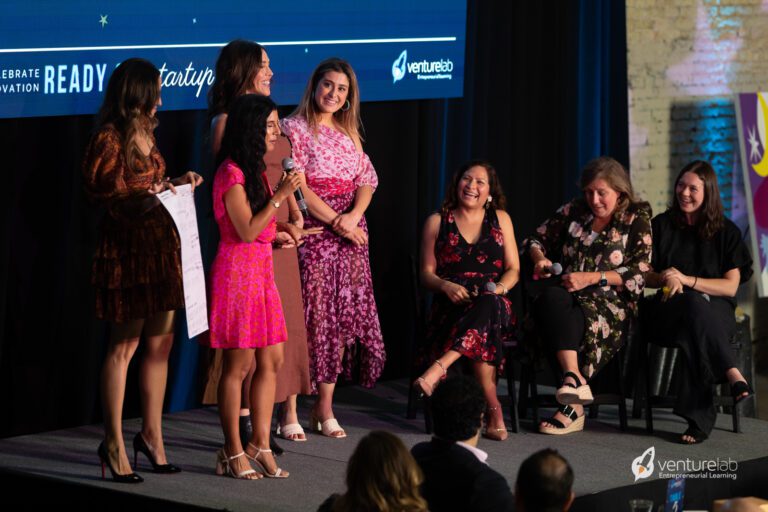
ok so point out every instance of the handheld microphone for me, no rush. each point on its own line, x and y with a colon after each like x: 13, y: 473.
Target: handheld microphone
x: 298, y: 194
x: 490, y: 287
x: 555, y: 269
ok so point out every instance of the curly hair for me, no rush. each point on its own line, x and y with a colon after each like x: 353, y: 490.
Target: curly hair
x: 498, y: 200
x: 382, y: 476
x: 236, y: 68
x: 244, y: 142
x: 710, y: 219
x: 132, y: 93
x: 349, y: 120
x: 457, y: 408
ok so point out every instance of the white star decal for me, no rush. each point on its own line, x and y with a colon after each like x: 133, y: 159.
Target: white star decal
x: 754, y: 149
x: 103, y: 19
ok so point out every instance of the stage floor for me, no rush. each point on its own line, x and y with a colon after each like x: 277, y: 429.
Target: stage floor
x: 601, y: 456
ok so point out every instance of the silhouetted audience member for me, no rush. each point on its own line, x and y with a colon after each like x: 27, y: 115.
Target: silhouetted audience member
x: 544, y: 483
x: 456, y: 475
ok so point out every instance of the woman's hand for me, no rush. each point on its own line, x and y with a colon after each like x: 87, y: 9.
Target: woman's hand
x: 190, y: 177
x: 576, y: 281
x: 161, y: 186
x: 541, y: 268
x: 673, y: 273
x: 456, y: 293
x: 287, y: 186
x: 296, y: 218
x: 357, y: 236
x: 672, y: 286
x: 284, y: 241
x: 345, y: 223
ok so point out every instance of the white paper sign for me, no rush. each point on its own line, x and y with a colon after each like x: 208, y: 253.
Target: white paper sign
x: 181, y: 206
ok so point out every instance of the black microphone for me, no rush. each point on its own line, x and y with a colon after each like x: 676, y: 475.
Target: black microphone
x: 298, y: 194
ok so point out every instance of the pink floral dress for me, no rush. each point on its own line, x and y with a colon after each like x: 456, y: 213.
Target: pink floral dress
x: 339, y: 307
x: 245, y: 309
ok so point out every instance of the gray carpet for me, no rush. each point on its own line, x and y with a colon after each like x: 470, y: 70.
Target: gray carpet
x: 601, y: 456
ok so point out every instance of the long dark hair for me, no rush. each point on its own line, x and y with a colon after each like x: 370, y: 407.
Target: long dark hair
x: 132, y: 93
x: 710, y: 219
x: 237, y: 66
x: 244, y: 143
x: 498, y: 200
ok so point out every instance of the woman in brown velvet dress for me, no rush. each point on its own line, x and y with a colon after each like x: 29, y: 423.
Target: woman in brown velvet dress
x: 137, y: 265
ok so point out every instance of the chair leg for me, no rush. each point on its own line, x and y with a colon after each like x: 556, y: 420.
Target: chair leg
x: 412, y: 401
x: 428, y: 422
x: 623, y: 414
x: 534, y: 394
x: 736, y: 420
x: 594, y: 410
x: 510, y: 375
x: 523, y: 402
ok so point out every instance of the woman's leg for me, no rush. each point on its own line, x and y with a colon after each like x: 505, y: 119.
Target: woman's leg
x: 114, y: 373
x: 486, y: 376
x: 289, y: 415
x: 236, y: 364
x: 439, y: 368
x: 153, y: 377
x: 268, y: 361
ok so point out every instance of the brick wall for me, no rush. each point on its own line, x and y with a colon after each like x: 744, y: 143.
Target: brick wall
x: 686, y: 59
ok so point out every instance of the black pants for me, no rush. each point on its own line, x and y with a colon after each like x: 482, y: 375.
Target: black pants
x: 702, y: 330
x: 559, y: 319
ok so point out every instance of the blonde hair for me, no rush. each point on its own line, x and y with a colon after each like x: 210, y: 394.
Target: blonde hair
x: 382, y: 476
x: 348, y: 120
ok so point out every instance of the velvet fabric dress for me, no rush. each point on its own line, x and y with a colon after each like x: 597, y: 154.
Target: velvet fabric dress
x: 137, y: 264
x: 339, y: 306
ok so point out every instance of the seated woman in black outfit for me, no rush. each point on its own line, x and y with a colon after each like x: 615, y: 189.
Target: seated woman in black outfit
x: 699, y: 260
x: 603, y: 242
x: 469, y: 259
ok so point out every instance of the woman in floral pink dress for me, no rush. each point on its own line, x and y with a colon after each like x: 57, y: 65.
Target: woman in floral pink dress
x: 246, y: 316
x: 335, y: 272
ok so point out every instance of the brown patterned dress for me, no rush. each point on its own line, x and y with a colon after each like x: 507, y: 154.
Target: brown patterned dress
x: 137, y: 263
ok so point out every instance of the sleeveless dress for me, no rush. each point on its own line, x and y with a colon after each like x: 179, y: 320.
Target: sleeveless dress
x: 245, y: 309
x: 476, y: 330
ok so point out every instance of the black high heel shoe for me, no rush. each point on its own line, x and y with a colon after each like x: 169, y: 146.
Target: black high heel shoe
x: 131, y: 478
x: 139, y: 445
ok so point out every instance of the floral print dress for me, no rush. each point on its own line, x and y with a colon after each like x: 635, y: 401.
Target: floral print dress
x: 624, y: 246
x: 475, y: 330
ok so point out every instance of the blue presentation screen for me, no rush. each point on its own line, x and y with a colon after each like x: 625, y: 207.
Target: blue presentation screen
x: 56, y: 56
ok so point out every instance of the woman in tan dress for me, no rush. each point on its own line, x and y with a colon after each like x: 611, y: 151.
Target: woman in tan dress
x: 242, y: 68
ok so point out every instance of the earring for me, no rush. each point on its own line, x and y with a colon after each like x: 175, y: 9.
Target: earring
x: 488, y: 201
x: 346, y: 106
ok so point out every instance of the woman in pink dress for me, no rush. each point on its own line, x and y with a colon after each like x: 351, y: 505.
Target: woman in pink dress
x: 339, y: 181
x: 246, y: 316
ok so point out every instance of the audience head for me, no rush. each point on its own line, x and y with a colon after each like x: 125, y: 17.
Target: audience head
x: 544, y: 483
x: 130, y: 104
x: 333, y: 89
x: 252, y: 129
x: 242, y: 68
x: 457, y: 408
x: 606, y: 186
x: 484, y: 175
x: 382, y: 476
x: 697, y: 199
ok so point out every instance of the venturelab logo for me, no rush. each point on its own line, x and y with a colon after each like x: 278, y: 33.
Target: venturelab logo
x: 642, y: 466
x: 398, y: 67
x: 441, y: 69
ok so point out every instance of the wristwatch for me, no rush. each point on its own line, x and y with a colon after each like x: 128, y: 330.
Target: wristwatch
x: 603, y: 280
x: 274, y: 203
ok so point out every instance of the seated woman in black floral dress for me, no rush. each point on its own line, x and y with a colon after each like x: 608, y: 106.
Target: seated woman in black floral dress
x: 469, y: 259
x: 699, y: 260
x: 603, y: 242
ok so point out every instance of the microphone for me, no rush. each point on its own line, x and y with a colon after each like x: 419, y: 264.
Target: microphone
x: 298, y: 194
x: 490, y: 287
x: 555, y: 269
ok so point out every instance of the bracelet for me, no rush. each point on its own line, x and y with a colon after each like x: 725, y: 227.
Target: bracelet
x: 503, y: 287
x: 695, y: 280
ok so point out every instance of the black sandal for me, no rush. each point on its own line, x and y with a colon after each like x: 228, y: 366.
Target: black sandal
x: 577, y: 393
x: 738, y: 389
x: 698, y: 435
x: 577, y: 422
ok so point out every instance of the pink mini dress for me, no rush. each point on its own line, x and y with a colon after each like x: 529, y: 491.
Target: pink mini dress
x: 244, y: 304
